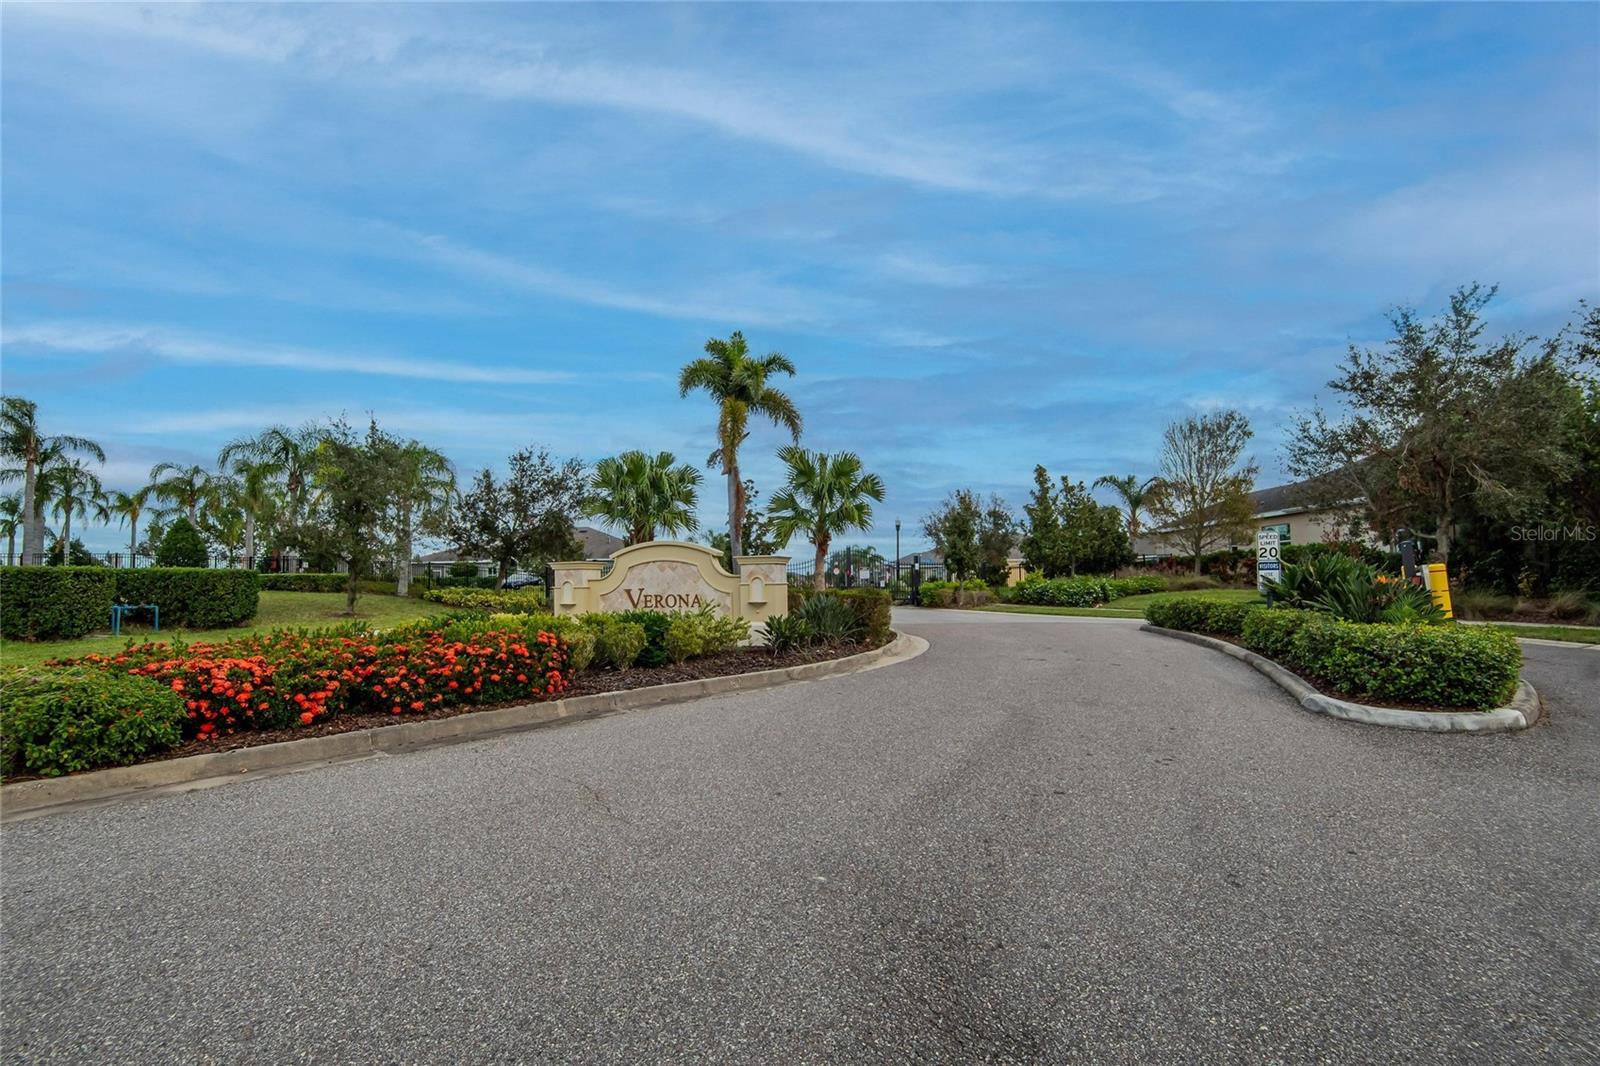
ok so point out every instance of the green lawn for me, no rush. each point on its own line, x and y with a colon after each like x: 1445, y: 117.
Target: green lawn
x: 278, y: 610
x: 1572, y: 634
x: 1131, y: 606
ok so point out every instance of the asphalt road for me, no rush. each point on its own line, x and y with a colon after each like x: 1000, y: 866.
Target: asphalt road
x: 1046, y: 840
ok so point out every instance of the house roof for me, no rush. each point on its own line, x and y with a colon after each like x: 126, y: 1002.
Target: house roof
x: 597, y: 543
x: 1309, y: 495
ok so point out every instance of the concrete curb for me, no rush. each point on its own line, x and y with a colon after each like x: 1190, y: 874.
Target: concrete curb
x: 1520, y: 713
x: 29, y: 798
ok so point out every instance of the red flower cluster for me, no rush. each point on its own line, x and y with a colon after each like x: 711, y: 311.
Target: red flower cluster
x: 274, y: 680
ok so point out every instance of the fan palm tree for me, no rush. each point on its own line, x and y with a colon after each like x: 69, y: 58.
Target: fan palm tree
x: 825, y: 495
x: 10, y: 522
x: 25, y: 450
x: 738, y: 384
x: 424, y: 488
x: 184, y: 487
x: 1135, y: 496
x: 129, y: 507
x: 75, y: 491
x: 644, y: 494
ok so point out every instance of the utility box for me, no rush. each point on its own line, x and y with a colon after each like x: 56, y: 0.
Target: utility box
x: 1439, y: 585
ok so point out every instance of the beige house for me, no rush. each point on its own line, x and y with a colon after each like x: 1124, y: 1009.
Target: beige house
x: 1282, y: 507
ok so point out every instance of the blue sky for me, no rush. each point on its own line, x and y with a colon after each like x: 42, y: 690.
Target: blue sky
x: 989, y: 236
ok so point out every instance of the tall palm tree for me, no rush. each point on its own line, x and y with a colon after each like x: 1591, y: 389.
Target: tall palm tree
x: 129, y: 507
x: 75, y: 491
x: 224, y: 515
x: 251, y: 486
x: 826, y: 495
x: 10, y: 522
x: 1135, y: 495
x: 22, y: 444
x: 644, y: 494
x: 293, y: 452
x: 738, y: 384
x: 184, y: 487
x: 424, y: 488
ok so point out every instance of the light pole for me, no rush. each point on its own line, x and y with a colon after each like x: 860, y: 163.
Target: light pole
x: 897, y: 551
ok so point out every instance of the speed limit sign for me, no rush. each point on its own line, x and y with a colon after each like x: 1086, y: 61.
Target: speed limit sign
x: 1269, y: 560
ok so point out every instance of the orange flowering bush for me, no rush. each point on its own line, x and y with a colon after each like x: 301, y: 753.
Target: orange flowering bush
x: 274, y: 680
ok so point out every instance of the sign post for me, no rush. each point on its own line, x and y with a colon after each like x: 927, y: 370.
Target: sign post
x: 1269, y: 561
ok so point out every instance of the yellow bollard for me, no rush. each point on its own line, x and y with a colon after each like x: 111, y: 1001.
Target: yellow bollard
x: 1439, y: 585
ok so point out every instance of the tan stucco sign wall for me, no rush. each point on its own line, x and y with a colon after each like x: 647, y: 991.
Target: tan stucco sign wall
x: 669, y: 575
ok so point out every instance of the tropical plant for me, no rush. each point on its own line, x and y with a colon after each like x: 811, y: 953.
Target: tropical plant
x: 1134, y: 494
x: 11, y: 521
x: 251, y: 488
x: 74, y: 491
x: 786, y: 632
x: 129, y: 507
x: 25, y: 449
x: 831, y: 620
x: 738, y: 384
x: 424, y: 489
x: 644, y: 495
x: 825, y: 495
x: 184, y: 488
x: 292, y: 455
x: 1351, y: 590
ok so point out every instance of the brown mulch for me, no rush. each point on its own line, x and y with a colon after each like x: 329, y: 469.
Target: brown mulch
x: 588, y: 683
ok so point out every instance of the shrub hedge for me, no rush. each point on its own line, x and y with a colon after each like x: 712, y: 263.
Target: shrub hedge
x: 492, y: 601
x: 1443, y: 666
x: 59, y: 721
x: 969, y: 593
x: 192, y: 597
x: 54, y: 602
x: 182, y: 546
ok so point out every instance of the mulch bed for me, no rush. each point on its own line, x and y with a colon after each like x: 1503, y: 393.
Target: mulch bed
x: 588, y: 682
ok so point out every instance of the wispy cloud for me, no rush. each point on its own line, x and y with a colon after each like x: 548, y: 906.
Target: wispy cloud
x: 177, y: 346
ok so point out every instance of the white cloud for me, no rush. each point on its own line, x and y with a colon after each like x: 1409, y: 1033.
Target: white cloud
x: 180, y: 347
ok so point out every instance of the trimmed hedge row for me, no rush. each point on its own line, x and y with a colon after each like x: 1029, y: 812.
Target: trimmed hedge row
x: 1443, y: 665
x: 1083, y: 591
x: 67, y: 602
x: 969, y: 593
x: 493, y: 601
x: 192, y: 597
x: 320, y: 582
x: 55, y: 602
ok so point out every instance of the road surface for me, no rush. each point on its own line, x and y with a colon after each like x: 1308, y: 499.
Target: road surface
x: 1045, y: 840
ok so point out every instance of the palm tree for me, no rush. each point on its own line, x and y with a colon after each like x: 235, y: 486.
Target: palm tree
x: 645, y: 494
x: 424, y: 488
x: 75, y: 491
x: 738, y: 384
x: 184, y: 487
x: 224, y: 516
x: 252, y: 488
x: 293, y: 452
x: 129, y: 507
x: 10, y: 522
x: 22, y: 443
x: 1136, y: 495
x: 826, y: 495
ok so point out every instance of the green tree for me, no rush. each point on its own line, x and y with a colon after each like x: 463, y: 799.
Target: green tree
x: 1044, y: 549
x: 74, y: 492
x: 249, y: 484
x: 756, y: 536
x: 997, y: 538
x: 354, y: 479
x: 1134, y: 494
x: 825, y: 495
x: 1203, y: 503
x: 129, y: 507
x: 181, y: 545
x: 526, y: 518
x: 1439, y: 425
x: 644, y: 494
x: 291, y: 456
x: 953, y: 527
x: 185, y: 488
x: 738, y: 385
x: 1094, y: 536
x: 424, y: 490
x: 25, y: 449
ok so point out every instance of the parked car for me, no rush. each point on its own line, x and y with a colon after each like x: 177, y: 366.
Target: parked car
x: 523, y: 581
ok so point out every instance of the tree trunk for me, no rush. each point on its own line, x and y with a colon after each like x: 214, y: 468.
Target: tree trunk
x: 819, y: 580
x: 249, y: 539
x: 1442, y: 533
x: 133, y: 543
x: 11, y: 546
x: 505, y: 571
x: 66, y: 538
x: 32, y: 521
x: 350, y: 590
x: 735, y: 506
x: 402, y: 563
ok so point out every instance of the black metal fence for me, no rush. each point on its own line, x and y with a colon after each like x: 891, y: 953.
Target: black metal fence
x: 269, y: 564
